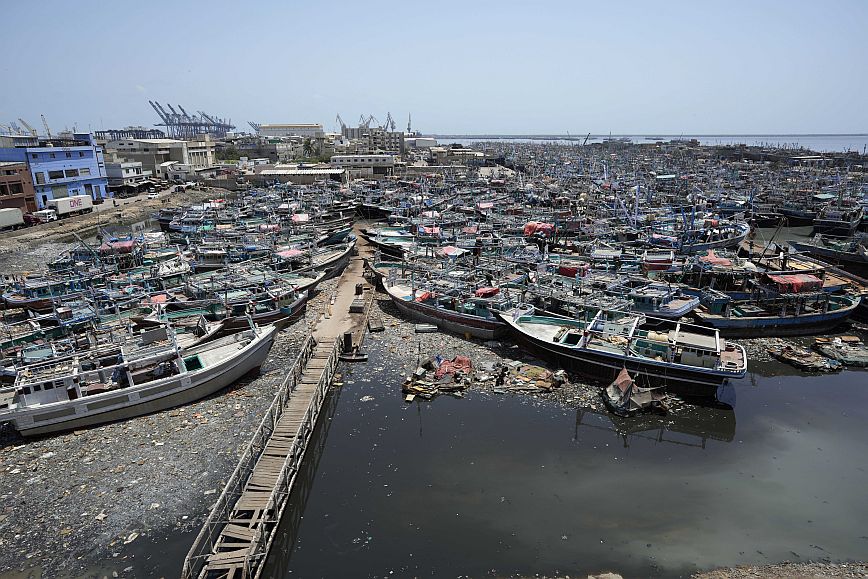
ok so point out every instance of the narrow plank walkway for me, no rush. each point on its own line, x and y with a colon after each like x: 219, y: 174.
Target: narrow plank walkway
x: 256, y: 510
x: 235, y: 540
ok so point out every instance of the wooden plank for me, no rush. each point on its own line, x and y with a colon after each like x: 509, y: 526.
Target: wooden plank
x: 237, y: 555
x: 252, y: 503
x: 238, y: 532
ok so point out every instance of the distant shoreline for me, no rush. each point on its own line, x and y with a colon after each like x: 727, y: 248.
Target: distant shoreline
x: 648, y: 135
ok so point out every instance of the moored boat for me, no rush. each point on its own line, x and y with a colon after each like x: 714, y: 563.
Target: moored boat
x: 59, y: 396
x: 686, y: 359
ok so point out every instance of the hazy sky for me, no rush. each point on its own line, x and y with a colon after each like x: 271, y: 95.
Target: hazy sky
x: 458, y: 67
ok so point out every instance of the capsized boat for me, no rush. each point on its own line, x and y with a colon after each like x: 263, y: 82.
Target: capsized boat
x: 626, y: 398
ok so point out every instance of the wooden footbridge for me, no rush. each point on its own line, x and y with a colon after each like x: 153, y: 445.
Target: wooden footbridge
x: 238, y: 534
x: 240, y: 529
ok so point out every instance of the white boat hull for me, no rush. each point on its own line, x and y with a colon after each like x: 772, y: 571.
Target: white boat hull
x: 146, y: 398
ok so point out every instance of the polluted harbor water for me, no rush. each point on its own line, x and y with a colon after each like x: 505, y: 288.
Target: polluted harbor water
x: 541, y: 361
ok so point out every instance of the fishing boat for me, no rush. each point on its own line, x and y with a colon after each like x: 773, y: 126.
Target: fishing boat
x: 796, y: 305
x: 662, y: 301
x: 452, y: 310
x: 837, y: 220
x: 847, y: 252
x: 152, y: 375
x: 685, y: 358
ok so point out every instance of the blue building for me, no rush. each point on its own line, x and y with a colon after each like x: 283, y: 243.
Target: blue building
x: 63, y: 167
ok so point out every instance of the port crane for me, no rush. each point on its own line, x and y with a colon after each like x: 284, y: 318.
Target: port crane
x: 389, y: 122
x: 45, y: 124
x: 27, y: 126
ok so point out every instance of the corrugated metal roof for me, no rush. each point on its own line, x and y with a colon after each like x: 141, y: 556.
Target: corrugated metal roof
x: 301, y: 172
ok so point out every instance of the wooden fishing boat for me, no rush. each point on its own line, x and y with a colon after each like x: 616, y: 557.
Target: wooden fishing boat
x: 65, y: 395
x: 686, y: 359
x: 451, y: 310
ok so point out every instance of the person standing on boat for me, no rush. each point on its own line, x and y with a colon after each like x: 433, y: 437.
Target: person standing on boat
x: 477, y: 251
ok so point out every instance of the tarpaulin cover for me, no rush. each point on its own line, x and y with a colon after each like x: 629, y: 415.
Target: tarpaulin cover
x: 486, y: 205
x: 118, y: 246
x: 434, y: 230
x: 456, y: 364
x: 623, y: 381
x: 714, y: 259
x: 532, y: 227
x: 269, y: 227
x: 156, y: 299
x: 796, y: 282
x: 573, y: 270
x: 300, y: 217
x: 424, y: 296
x: 290, y: 253
x: 470, y: 230
x: 486, y: 292
x: 430, y: 214
x: 452, y: 251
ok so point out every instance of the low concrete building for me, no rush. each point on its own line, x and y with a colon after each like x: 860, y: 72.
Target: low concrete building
x: 127, y: 175
x: 365, y: 165
x: 420, y: 142
x: 154, y: 153
x: 295, y: 175
x: 16, y: 187
x: 310, y: 130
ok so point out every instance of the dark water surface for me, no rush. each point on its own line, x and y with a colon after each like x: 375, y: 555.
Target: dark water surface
x: 506, y: 485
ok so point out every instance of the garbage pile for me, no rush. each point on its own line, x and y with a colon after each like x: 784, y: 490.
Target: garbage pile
x: 848, y: 350
x: 804, y: 359
x: 438, y: 375
x: 517, y: 376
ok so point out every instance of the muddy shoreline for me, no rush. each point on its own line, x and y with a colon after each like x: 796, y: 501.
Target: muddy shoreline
x: 77, y: 504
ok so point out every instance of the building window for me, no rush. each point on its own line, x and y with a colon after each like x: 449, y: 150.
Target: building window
x: 51, y: 155
x: 81, y: 154
x: 70, y: 173
x: 69, y: 155
x: 84, y: 172
x: 32, y: 155
x: 55, y: 174
x: 40, y: 178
